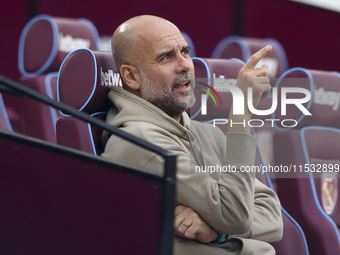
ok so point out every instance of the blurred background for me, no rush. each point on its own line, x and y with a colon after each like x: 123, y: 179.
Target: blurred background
x: 308, y: 33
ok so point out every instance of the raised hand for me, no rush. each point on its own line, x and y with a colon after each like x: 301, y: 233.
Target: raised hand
x: 257, y: 79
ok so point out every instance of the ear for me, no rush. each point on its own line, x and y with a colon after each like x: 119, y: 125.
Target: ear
x: 131, y: 77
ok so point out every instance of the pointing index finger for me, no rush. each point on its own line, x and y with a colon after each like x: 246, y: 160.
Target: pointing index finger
x: 254, y: 59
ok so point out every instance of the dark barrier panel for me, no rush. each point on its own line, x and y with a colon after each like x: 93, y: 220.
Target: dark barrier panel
x: 56, y: 200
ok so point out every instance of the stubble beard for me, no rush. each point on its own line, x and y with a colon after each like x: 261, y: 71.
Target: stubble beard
x: 162, y: 96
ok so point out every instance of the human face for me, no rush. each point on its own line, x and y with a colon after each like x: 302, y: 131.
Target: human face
x: 161, y: 96
x: 166, y: 70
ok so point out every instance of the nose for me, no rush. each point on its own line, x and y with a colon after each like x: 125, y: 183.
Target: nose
x: 184, y: 64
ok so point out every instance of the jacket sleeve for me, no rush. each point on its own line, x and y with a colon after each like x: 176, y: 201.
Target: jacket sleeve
x: 267, y: 224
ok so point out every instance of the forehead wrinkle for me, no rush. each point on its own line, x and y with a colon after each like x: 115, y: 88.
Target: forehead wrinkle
x: 172, y: 37
x: 171, y: 42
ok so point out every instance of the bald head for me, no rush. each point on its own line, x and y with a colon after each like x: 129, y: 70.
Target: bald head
x: 127, y: 40
x: 154, y: 63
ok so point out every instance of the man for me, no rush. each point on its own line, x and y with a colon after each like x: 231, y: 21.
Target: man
x: 219, y: 213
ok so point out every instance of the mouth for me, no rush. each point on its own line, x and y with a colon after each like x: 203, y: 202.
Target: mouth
x: 184, y: 86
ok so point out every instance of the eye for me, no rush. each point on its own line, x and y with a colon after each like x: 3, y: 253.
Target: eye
x: 185, y: 51
x: 165, y: 57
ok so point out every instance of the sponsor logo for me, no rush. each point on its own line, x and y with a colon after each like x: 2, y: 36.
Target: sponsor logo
x: 323, y: 97
x: 110, y: 78
x: 329, y: 195
x: 222, y: 84
x: 67, y: 43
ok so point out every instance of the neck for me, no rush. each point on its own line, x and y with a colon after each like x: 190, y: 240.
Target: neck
x: 178, y: 118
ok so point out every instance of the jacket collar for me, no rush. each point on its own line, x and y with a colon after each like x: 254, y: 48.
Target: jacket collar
x: 129, y: 107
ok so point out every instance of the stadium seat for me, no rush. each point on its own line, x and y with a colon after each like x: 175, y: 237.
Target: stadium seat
x: 88, y: 75
x: 324, y: 106
x: 79, y: 135
x: 300, y: 192
x: 243, y: 47
x: 44, y: 43
x: 320, y: 84
x: 310, y: 150
x: 187, y: 38
x: 294, y: 239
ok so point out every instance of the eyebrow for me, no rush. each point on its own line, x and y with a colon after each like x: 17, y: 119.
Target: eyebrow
x: 186, y: 48
x: 166, y: 53
x: 171, y: 52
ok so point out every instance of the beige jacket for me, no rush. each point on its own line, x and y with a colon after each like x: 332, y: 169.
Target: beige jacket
x: 234, y: 203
